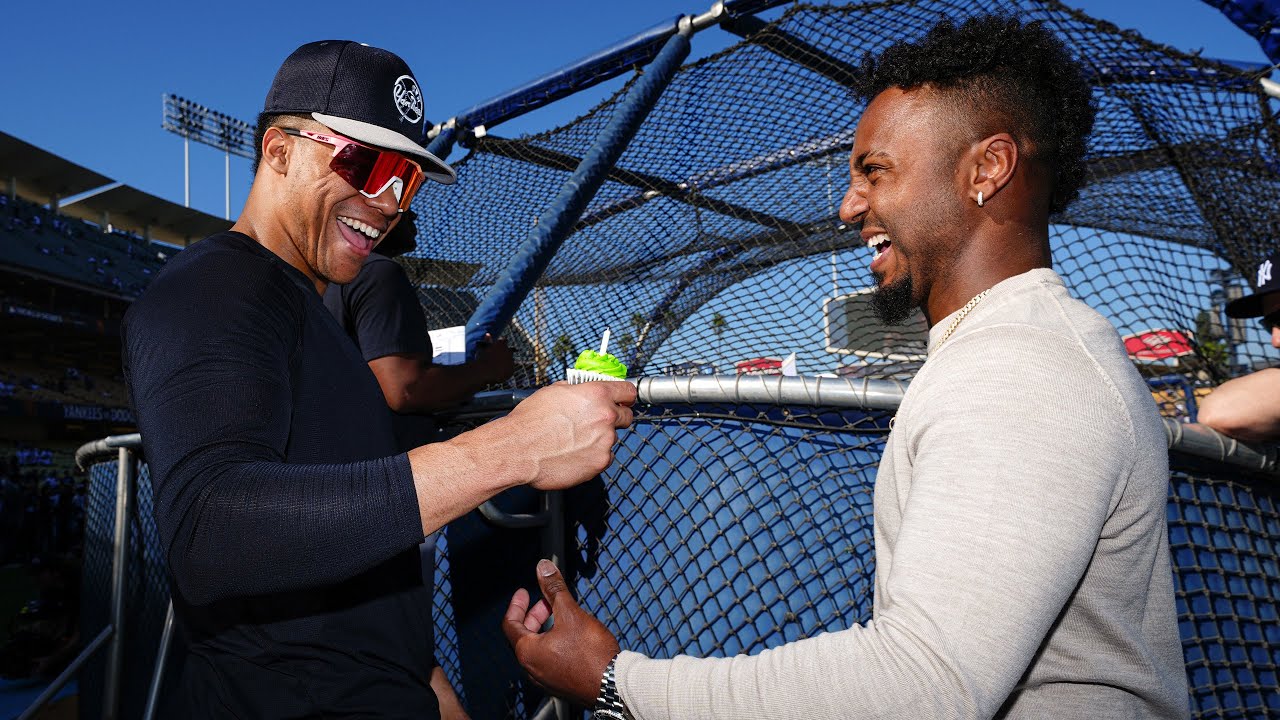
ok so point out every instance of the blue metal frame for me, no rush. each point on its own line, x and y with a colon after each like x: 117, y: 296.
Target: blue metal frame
x: 660, y: 44
x: 1179, y: 382
x: 1259, y: 18
x: 641, y: 48
x: 557, y: 222
x: 613, y: 61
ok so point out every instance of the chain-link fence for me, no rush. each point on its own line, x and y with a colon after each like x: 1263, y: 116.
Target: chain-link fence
x: 146, y: 593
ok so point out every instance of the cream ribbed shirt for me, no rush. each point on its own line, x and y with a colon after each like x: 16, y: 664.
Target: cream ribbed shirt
x: 1022, y: 555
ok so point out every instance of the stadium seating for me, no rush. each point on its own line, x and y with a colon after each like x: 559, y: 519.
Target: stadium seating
x: 38, y: 239
x: 60, y: 385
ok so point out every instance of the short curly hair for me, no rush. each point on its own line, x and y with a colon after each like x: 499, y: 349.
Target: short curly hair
x: 996, y: 61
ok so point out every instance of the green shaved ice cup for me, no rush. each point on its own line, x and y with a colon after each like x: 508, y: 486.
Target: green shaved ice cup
x: 592, y: 365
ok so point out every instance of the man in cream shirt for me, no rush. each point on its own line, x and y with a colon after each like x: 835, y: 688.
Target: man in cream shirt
x: 1022, y: 557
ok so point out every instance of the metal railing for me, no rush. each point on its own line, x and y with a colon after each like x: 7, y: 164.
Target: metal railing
x: 112, y: 636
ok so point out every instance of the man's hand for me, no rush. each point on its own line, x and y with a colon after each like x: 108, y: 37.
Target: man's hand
x: 494, y: 361
x: 569, y: 659
x: 569, y: 430
x: 560, y: 436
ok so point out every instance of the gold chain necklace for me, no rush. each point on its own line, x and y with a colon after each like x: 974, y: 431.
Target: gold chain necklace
x: 960, y: 316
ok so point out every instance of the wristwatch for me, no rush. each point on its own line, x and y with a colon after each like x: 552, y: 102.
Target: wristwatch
x: 609, y: 703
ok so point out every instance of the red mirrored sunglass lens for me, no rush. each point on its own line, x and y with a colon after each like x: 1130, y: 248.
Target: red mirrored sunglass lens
x: 372, y: 172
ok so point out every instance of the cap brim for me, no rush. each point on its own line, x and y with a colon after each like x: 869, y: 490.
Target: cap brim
x: 370, y: 134
x: 1249, y: 306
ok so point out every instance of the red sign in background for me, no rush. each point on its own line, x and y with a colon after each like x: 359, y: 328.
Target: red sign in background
x: 1158, y: 345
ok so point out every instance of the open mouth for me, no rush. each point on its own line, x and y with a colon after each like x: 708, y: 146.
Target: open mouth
x: 360, y: 235
x: 880, y: 244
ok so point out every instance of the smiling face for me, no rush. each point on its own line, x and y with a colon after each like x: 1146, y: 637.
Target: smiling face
x: 328, y: 228
x: 906, y: 192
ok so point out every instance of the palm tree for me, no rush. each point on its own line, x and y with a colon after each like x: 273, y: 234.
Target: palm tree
x: 562, y: 349
x: 718, y: 323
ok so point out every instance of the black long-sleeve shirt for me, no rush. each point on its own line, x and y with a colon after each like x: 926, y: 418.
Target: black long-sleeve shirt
x: 289, y: 522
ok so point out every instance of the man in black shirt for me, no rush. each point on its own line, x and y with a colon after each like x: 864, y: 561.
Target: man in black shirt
x: 381, y: 313
x: 289, y: 520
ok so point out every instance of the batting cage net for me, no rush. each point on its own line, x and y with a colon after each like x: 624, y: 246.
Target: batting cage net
x: 715, y: 239
x: 714, y: 246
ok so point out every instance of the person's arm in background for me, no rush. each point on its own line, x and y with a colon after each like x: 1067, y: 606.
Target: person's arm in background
x: 382, y: 308
x: 412, y: 383
x: 1247, y: 408
x: 450, y: 704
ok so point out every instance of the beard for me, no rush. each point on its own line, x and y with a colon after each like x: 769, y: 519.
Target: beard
x: 892, y: 303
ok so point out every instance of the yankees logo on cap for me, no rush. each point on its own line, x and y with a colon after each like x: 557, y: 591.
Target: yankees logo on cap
x: 1266, y: 281
x: 344, y: 85
x: 408, y: 98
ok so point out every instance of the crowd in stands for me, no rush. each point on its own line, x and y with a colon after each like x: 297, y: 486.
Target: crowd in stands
x: 42, y: 520
x: 66, y: 386
x: 42, y: 505
x: 43, y: 501
x: 37, y: 237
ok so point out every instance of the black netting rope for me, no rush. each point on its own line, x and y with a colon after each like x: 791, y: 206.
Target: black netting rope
x: 1225, y: 539
x: 716, y: 238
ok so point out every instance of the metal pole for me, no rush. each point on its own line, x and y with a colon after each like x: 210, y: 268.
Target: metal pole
x: 557, y: 222
x: 553, y: 531
x: 442, y: 144
x: 157, y: 675
x: 227, y: 176
x: 186, y: 171
x: 124, y: 511
x: 553, y: 548
x: 66, y: 675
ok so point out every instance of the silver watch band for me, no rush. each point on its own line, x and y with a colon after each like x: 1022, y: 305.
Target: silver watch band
x: 609, y: 703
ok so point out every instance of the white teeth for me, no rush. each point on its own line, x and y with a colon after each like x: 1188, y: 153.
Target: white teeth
x: 360, y: 227
x: 878, y: 243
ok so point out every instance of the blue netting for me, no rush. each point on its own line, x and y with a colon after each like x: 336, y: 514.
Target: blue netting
x: 732, y: 529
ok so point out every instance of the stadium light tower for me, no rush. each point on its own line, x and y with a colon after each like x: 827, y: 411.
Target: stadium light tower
x: 194, y: 121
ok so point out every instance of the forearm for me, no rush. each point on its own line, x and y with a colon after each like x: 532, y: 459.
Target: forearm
x: 448, y: 700
x: 455, y: 477
x: 1247, y: 407
x: 251, y: 528
x: 873, y: 672
x: 413, y: 384
x: 440, y: 387
x: 555, y: 439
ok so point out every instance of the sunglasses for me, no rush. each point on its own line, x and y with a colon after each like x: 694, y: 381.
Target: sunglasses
x: 368, y: 169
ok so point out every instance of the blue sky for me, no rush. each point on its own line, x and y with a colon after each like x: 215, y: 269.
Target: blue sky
x: 85, y: 79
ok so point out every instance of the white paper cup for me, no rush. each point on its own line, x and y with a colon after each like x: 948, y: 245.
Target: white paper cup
x: 575, y: 376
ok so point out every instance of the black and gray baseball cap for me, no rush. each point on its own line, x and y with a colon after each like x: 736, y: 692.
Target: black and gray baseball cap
x: 363, y: 92
x: 1265, y: 282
